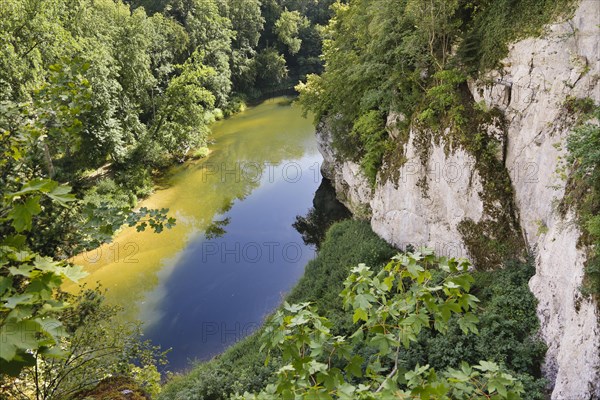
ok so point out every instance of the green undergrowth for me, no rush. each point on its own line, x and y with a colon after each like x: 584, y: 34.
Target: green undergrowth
x: 497, y: 23
x: 242, y: 367
x: 507, y: 329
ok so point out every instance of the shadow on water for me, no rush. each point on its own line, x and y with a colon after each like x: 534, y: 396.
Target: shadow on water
x: 327, y: 210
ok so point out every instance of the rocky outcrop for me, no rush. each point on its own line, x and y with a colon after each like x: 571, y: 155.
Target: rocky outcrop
x: 429, y: 201
x: 351, y: 186
x: 543, y: 74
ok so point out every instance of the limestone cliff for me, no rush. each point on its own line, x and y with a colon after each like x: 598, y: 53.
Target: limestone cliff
x: 448, y: 200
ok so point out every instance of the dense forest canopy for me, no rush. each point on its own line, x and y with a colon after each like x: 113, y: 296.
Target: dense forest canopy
x: 104, y: 94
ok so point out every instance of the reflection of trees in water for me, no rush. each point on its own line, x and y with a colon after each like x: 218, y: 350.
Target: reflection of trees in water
x: 217, y: 229
x: 326, y: 210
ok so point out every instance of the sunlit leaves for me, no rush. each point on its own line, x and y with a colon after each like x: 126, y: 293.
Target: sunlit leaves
x: 288, y: 27
x: 22, y: 213
x: 414, y: 292
x: 25, y: 208
x: 26, y: 309
x: 181, y: 122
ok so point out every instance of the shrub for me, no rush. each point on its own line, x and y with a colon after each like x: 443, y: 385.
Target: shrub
x: 369, y: 129
x: 507, y: 330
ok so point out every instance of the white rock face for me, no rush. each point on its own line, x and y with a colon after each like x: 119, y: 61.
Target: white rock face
x: 544, y: 72
x: 351, y: 186
x: 406, y: 213
x: 538, y: 76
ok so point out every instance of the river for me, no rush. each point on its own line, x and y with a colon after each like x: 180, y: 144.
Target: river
x: 234, y: 253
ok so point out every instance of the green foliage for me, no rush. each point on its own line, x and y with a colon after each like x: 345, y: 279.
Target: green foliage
x: 413, y: 58
x: 436, y: 25
x: 103, y: 77
x: 94, y: 345
x: 347, y: 243
x: 114, y: 388
x: 28, y: 309
x: 369, y: 129
x: 288, y: 27
x: 375, y: 61
x: 579, y: 106
x: 103, y: 96
x: 394, y: 306
x: 508, y: 330
x: 211, y: 35
x: 583, y: 190
x: 28, y: 280
x: 248, y: 23
x: 36, y: 240
x: 443, y: 101
x: 493, y: 25
x: 271, y: 68
x: 182, y: 116
x: 239, y: 368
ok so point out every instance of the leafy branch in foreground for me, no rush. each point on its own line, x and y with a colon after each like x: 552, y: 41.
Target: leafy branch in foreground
x: 96, y: 345
x: 415, y: 291
x: 30, y: 309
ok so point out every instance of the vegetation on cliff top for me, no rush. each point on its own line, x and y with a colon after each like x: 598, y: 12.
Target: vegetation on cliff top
x: 413, y: 58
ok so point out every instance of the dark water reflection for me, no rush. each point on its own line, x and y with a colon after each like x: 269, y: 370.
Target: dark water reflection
x: 325, y: 212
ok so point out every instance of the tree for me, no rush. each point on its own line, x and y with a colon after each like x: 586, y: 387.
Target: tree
x: 181, y: 123
x: 437, y: 25
x: 211, y: 35
x: 271, y: 68
x: 414, y: 292
x: 288, y: 27
x: 169, y: 44
x: 248, y: 23
x: 35, y: 34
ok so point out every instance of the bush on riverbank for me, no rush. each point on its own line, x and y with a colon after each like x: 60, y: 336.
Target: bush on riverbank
x: 508, y: 330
